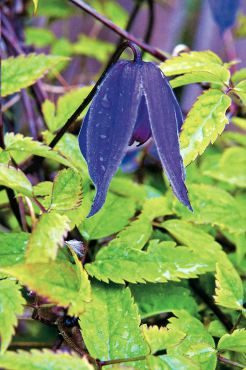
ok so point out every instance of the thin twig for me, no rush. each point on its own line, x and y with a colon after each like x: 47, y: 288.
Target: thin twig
x: 228, y: 362
x: 14, y: 205
x: 126, y: 35
x: 122, y: 360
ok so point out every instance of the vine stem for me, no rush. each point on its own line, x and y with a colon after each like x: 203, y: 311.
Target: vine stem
x: 226, y: 361
x: 123, y: 33
x: 118, y: 361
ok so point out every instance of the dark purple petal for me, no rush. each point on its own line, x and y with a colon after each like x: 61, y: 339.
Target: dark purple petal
x: 142, y: 131
x: 224, y: 12
x: 178, y: 112
x: 164, y: 127
x: 108, y: 126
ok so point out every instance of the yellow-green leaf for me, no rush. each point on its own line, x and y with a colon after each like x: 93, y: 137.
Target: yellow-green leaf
x: 240, y: 90
x: 229, y: 287
x: 161, y: 338
x: 43, y: 360
x: 15, y: 179
x: 236, y: 341
x: 110, y: 324
x: 11, y: 305
x: 47, y: 236
x: 66, y: 192
x: 24, y: 70
x: 205, y: 121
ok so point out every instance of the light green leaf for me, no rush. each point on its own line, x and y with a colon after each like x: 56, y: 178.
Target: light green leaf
x: 213, y: 206
x: 239, y: 75
x: 47, y: 236
x: 40, y: 37
x: 160, y: 263
x: 66, y: 192
x: 58, y: 281
x: 196, y: 239
x: 11, y: 305
x: 233, y: 138
x: 239, y: 122
x: 43, y: 188
x: 18, y: 144
x: 93, y: 48
x: 199, y: 62
x: 231, y: 167
x: 198, y: 345
x: 167, y: 362
x: 205, y: 121
x: 110, y: 324
x: 112, y: 10
x: 135, y: 235
x: 13, y: 248
x: 156, y: 207
x: 114, y: 215
x: 229, y: 287
x: 15, y: 179
x: 24, y: 70
x: 216, y: 329
x: 161, y: 338
x: 240, y: 90
x: 43, y: 360
x: 235, y: 341
x: 195, y: 77
x: 68, y: 146
x: 67, y: 104
x: 154, y: 299
x: 138, y: 192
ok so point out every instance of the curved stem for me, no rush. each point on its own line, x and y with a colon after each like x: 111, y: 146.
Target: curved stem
x: 151, y: 50
x: 228, y: 362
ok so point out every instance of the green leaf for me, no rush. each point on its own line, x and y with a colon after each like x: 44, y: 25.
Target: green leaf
x: 199, y: 62
x: 24, y: 70
x: 13, y: 248
x: 93, y: 48
x: 213, y: 206
x: 11, y: 305
x: 198, y: 240
x: 235, y: 341
x: 160, y: 263
x: 114, y: 215
x: 40, y: 37
x: 233, y: 138
x: 135, y: 235
x: 47, y: 236
x: 58, y: 281
x: 18, y: 144
x: 205, y: 121
x: 229, y: 287
x: 66, y: 192
x: 68, y: 147
x: 239, y: 75
x: 154, y: 299
x: 195, y: 77
x: 161, y: 338
x: 240, y: 90
x: 167, y: 362
x: 198, y: 345
x: 239, y: 122
x: 56, y: 116
x: 110, y: 324
x: 231, y: 167
x: 156, y: 207
x: 43, y: 360
x: 15, y: 179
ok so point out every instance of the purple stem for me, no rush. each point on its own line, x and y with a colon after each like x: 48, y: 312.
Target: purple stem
x: 29, y: 113
x: 126, y: 35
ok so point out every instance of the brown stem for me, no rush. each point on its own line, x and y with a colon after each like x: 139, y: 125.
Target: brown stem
x: 228, y: 362
x: 121, y: 360
x: 126, y: 35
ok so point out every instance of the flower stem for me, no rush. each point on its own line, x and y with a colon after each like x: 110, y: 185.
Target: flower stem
x: 126, y: 35
x: 228, y: 362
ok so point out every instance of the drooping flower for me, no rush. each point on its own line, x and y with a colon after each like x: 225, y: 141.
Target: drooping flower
x: 133, y: 102
x: 224, y: 12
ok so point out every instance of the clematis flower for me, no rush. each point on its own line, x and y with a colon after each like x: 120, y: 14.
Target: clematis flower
x: 224, y: 12
x: 133, y: 102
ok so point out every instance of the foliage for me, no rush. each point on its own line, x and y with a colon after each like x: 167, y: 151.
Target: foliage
x: 145, y: 283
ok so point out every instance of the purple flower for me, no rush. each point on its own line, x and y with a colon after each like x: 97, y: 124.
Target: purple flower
x: 133, y: 103
x: 224, y: 12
